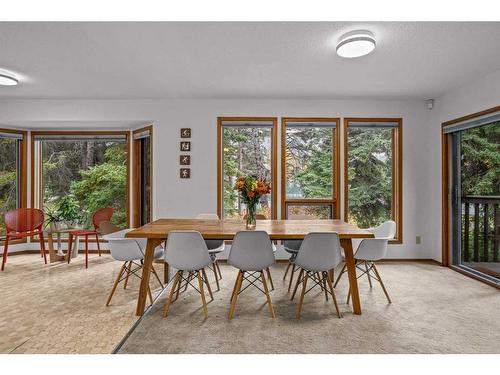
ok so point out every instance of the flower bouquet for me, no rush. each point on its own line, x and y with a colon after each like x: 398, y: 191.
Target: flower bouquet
x: 251, y: 189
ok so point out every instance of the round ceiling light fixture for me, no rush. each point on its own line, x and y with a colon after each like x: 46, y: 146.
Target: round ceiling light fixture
x: 8, y: 79
x: 356, y: 44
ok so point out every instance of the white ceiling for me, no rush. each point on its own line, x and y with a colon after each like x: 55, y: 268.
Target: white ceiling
x: 242, y: 60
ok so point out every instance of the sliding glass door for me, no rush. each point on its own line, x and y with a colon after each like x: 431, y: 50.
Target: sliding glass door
x: 475, y: 198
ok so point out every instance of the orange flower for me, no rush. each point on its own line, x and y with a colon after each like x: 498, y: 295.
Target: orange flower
x: 250, y: 194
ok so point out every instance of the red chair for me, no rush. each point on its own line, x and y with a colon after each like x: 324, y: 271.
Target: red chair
x: 24, y: 222
x: 104, y: 214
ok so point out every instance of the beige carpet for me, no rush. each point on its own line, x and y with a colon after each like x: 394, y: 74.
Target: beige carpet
x: 434, y: 310
x: 60, y: 308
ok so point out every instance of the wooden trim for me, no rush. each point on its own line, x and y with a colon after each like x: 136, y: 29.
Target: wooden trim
x: 126, y: 133
x: 397, y: 171
x: 127, y: 184
x: 23, y: 172
x: 136, y: 180
x: 336, y: 164
x: 471, y: 116
x: 80, y: 132
x: 16, y: 242
x: 335, y: 200
x: 28, y: 252
x: 274, y: 140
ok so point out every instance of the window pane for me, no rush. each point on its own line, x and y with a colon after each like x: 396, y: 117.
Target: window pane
x: 369, y: 175
x: 312, y: 212
x: 245, y: 151
x: 93, y: 172
x: 9, y: 151
x: 308, y: 163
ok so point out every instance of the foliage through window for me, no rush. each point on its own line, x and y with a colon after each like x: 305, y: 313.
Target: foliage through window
x: 371, y: 172
x: 10, y: 169
x: 480, y: 148
x: 91, y: 172
x: 309, y: 172
x: 247, y: 150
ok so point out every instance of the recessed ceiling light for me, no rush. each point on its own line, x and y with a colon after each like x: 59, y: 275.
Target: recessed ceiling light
x: 8, y: 79
x: 356, y: 44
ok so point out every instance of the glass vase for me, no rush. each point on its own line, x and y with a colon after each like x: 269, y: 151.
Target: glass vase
x: 251, y: 216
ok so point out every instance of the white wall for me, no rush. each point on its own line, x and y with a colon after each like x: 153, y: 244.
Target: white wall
x: 476, y: 96
x: 174, y: 197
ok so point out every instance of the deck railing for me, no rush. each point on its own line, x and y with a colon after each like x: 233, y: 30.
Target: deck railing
x: 480, y: 228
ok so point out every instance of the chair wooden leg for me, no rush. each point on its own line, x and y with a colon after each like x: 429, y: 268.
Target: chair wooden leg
x: 323, y: 283
x: 268, y: 271
x: 234, y: 298
x: 42, y: 247
x: 172, y: 291
x: 70, y: 246
x: 301, y: 273
x: 340, y: 275
x: 179, y: 286
x: 332, y: 291
x: 234, y: 288
x: 301, y: 300
x: 218, y: 268
x: 129, y: 267
x: 381, y: 283
x: 368, y: 274
x: 166, y: 273
x: 202, y: 293
x: 86, y: 251
x: 205, y: 278
x: 348, y: 295
x: 123, y: 269
x: 150, y: 295
x: 214, y: 267
x: 5, y: 250
x: 291, y: 278
x: 98, y: 246
x: 266, y: 290
x: 286, y: 271
x: 153, y: 271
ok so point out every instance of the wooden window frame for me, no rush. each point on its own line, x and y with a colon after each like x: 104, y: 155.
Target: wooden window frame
x: 35, y: 133
x: 136, y: 176
x: 22, y: 173
x: 397, y: 172
x: 335, y: 200
x: 275, y: 197
x: 445, y: 189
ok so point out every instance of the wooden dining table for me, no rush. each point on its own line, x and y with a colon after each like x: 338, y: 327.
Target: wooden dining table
x: 157, y: 232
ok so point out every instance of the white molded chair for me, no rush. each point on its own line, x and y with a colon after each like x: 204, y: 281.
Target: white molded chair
x: 130, y: 251
x: 371, y: 250
x: 319, y: 253
x: 252, y: 253
x: 187, y: 252
x: 214, y: 247
x: 292, y: 247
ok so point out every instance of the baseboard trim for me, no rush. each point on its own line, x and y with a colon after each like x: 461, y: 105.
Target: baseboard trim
x: 390, y: 260
x: 25, y: 252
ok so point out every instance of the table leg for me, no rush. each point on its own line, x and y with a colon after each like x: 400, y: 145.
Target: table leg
x: 146, y: 272
x: 351, y: 271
